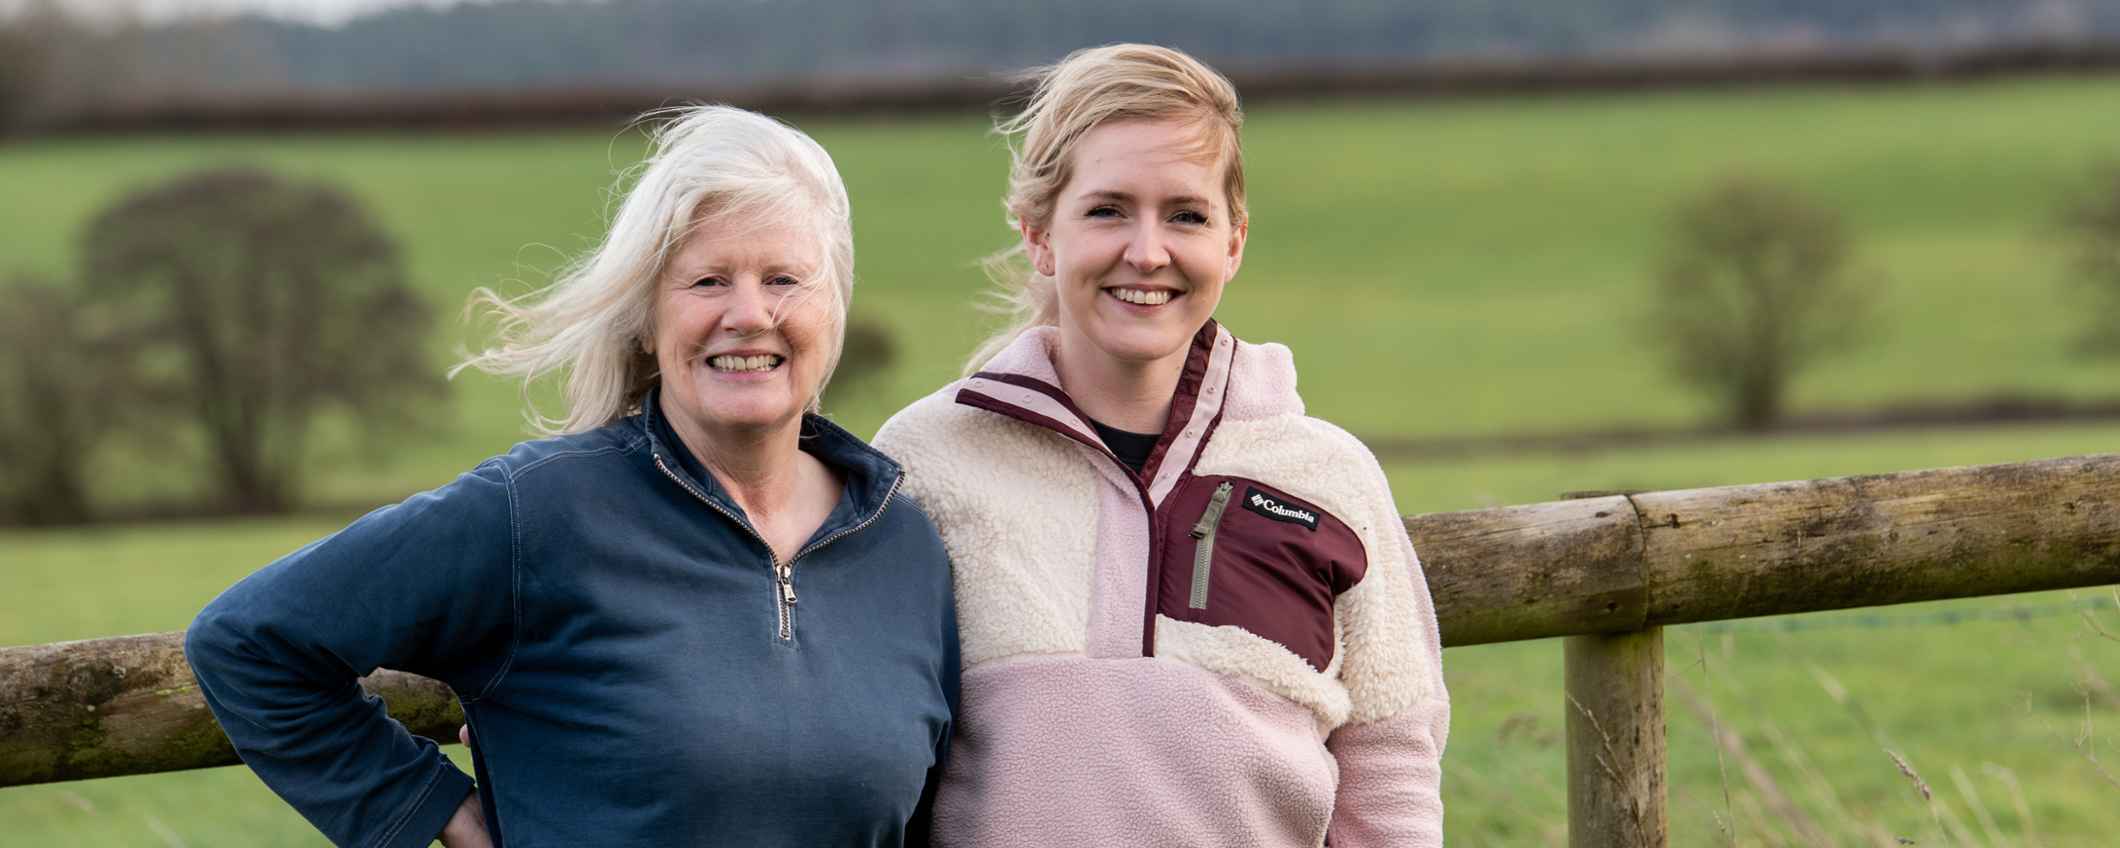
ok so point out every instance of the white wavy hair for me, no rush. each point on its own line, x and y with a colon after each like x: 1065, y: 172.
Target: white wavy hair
x: 595, y: 322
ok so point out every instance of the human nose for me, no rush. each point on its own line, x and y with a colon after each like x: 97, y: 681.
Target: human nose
x: 748, y: 312
x: 1145, y: 250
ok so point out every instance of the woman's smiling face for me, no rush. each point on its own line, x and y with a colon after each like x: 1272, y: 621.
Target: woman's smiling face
x: 744, y: 332
x: 1141, y: 241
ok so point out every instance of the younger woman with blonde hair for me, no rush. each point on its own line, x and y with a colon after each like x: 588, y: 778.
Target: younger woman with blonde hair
x: 1190, y: 614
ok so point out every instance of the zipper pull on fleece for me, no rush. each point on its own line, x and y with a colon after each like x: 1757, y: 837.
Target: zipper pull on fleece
x: 787, y: 585
x: 1215, y: 505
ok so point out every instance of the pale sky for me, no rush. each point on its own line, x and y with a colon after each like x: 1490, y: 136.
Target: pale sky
x: 313, y: 11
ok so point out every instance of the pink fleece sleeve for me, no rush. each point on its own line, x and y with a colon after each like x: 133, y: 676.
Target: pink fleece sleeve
x: 1391, y: 769
x: 1391, y: 779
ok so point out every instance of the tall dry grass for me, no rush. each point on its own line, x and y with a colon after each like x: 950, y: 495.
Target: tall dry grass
x: 1772, y: 794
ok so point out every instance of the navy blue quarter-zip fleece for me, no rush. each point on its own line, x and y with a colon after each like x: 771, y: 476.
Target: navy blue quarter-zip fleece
x: 635, y: 668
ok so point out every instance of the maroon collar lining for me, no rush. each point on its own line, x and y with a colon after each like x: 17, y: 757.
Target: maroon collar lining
x: 978, y: 400
x: 1040, y: 386
x: 1183, y: 401
x: 1186, y: 398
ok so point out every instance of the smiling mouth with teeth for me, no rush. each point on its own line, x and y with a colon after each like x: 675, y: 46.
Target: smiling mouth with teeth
x: 745, y: 364
x: 1138, y: 297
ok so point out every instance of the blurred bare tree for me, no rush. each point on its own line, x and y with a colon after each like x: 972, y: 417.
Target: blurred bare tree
x: 2091, y: 220
x: 1755, y: 289
x: 26, y: 46
x: 54, y: 65
x: 262, y: 301
x: 64, y: 386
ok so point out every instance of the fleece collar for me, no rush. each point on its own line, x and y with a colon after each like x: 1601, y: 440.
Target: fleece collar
x: 1021, y: 383
x: 871, y: 477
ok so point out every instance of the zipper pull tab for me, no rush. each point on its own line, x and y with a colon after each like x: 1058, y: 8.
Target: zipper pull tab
x: 787, y: 585
x: 1213, y: 514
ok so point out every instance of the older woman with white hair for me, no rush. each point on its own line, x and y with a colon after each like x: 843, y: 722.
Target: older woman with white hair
x: 696, y: 613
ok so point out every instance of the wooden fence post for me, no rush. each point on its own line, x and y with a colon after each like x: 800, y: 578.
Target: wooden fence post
x: 1616, y: 759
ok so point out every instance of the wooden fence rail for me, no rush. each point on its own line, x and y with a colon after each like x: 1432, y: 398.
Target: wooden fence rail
x: 1605, y: 571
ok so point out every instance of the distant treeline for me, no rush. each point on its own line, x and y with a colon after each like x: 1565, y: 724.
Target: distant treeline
x: 531, y: 106
x: 617, y: 43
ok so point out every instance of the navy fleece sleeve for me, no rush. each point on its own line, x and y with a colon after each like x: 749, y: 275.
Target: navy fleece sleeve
x: 425, y: 586
x: 919, y: 831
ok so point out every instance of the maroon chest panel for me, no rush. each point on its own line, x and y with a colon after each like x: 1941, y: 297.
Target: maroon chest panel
x: 1241, y: 553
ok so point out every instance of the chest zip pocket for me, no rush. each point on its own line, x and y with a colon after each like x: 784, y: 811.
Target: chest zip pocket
x: 1203, y: 532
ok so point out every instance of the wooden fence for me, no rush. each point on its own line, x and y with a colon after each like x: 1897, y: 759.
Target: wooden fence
x: 1606, y: 572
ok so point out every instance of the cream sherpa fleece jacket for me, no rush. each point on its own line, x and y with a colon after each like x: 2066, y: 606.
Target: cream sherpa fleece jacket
x: 1234, y: 647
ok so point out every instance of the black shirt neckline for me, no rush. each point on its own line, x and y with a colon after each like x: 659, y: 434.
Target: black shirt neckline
x: 1131, y: 448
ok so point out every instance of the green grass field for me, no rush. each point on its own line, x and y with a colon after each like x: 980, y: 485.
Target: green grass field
x: 1439, y: 269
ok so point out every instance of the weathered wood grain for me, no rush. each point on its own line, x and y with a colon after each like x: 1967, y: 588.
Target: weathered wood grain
x: 1775, y: 548
x: 1621, y: 563
x: 1527, y: 572
x: 129, y: 705
x: 1615, y: 709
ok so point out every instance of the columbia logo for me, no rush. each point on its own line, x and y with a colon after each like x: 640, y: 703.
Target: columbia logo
x: 1266, y: 505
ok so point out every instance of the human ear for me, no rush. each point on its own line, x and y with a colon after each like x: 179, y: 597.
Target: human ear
x: 1235, y: 260
x: 1038, y: 249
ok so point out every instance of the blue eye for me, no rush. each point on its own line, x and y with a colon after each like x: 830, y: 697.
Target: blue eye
x: 707, y: 281
x: 1106, y: 211
x: 782, y: 280
x: 1189, y: 217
